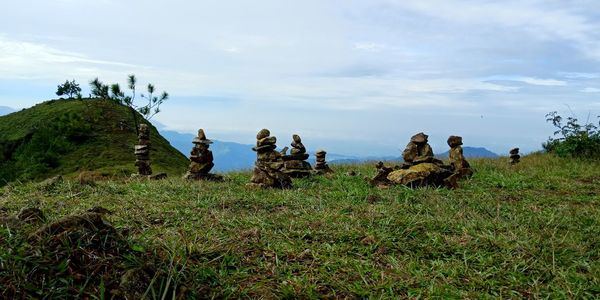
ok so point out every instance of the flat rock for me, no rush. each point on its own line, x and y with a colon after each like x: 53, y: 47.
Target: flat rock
x: 265, y: 148
x: 270, y: 140
x: 424, y: 174
x: 454, y: 141
x: 419, y: 138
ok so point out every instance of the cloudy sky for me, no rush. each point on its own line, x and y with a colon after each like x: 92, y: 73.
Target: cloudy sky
x: 353, y: 77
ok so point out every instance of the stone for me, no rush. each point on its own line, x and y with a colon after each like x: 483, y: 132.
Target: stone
x: 158, y: 176
x: 142, y: 151
x: 454, y: 141
x: 296, y: 138
x: 52, y: 182
x: 422, y: 169
x: 423, y: 174
x: 271, y: 140
x: 295, y: 164
x: 380, y: 179
x: 458, y: 164
x: 321, y: 166
x: 263, y: 133
x: 201, y: 160
x: 268, y: 169
x: 418, y: 150
x: 515, y: 157
x: 456, y: 158
x: 419, y: 138
x: 264, y: 148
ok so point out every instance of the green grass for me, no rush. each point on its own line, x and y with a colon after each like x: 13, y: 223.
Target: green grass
x: 524, y: 231
x: 106, y: 150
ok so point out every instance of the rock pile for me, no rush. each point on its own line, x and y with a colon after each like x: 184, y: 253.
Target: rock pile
x: 295, y: 164
x: 420, y: 168
x: 142, y: 151
x: 381, y: 178
x: 142, y: 155
x: 458, y: 164
x: 201, y: 159
x: 321, y: 166
x: 269, y: 163
x: 515, y: 157
x: 418, y: 150
x: 457, y: 160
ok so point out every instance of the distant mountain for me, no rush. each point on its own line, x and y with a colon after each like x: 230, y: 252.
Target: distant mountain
x: 5, y: 110
x: 472, y: 152
x: 231, y: 156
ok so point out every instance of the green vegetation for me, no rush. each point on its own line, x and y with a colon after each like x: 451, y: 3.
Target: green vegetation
x: 574, y: 139
x: 523, y: 231
x: 70, y: 136
x: 116, y: 94
x: 69, y: 88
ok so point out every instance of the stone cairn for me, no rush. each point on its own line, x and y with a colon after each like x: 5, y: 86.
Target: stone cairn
x: 420, y: 167
x: 515, y: 157
x: 321, y: 166
x: 201, y: 160
x: 456, y: 158
x: 142, y: 151
x: 418, y: 151
x: 458, y: 164
x: 268, y: 169
x: 295, y: 164
x: 380, y: 179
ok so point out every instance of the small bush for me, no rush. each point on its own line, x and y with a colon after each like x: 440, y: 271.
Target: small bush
x: 573, y: 139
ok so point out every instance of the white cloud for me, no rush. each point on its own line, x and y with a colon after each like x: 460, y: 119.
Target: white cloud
x: 26, y: 60
x: 591, y: 90
x: 579, y: 75
x: 542, y: 20
x: 528, y: 80
x: 540, y: 81
x: 369, y: 46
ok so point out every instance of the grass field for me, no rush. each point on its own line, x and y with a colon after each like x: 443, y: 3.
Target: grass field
x: 526, y: 231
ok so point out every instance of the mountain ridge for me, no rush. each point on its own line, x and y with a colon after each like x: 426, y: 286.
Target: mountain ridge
x: 5, y: 110
x: 232, y: 156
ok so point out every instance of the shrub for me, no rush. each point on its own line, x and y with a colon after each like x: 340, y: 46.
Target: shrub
x: 69, y: 88
x: 573, y: 139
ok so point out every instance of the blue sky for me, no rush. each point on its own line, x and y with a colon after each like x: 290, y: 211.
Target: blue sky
x: 353, y: 77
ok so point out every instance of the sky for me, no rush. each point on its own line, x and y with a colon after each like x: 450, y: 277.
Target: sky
x: 353, y: 77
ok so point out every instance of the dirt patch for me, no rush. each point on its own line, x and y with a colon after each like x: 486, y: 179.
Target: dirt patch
x: 81, y: 255
x: 374, y: 198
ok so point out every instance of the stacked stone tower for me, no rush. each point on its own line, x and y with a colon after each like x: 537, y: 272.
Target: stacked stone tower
x: 515, y: 157
x: 457, y: 160
x: 295, y: 164
x: 142, y: 151
x: 201, y: 159
x: 321, y: 166
x: 269, y: 163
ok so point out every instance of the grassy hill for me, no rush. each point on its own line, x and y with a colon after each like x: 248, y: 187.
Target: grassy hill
x: 523, y: 231
x: 69, y: 136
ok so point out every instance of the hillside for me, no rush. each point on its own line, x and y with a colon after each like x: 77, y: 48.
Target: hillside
x: 511, y: 232
x: 69, y: 136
